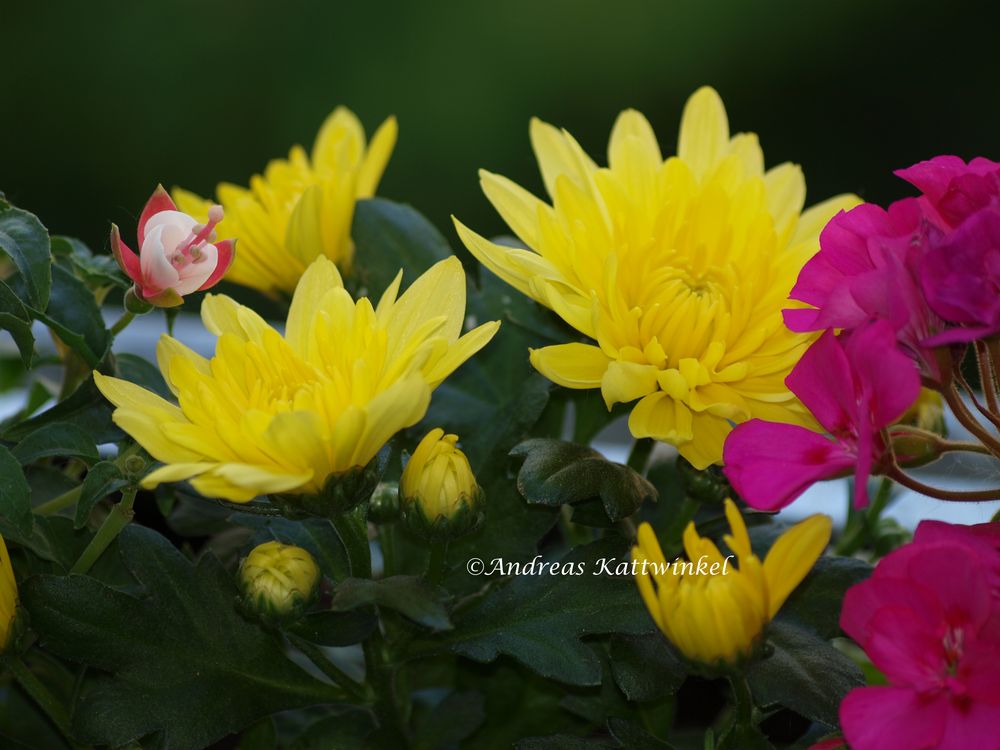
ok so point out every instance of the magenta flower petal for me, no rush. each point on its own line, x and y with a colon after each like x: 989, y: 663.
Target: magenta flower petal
x: 886, y: 377
x: 770, y: 464
x: 892, y: 718
x: 823, y: 382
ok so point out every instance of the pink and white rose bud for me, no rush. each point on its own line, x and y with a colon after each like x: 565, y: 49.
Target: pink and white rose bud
x: 177, y: 255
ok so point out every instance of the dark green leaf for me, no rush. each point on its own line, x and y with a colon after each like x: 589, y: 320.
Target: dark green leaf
x: 645, y: 667
x: 450, y: 721
x: 336, y: 628
x: 26, y: 241
x: 102, y: 479
x: 261, y: 736
x: 816, y: 602
x: 86, y: 408
x: 804, y: 673
x: 95, y: 270
x: 15, y: 495
x: 555, y: 472
x: 410, y: 595
x: 633, y: 737
x: 181, y: 661
x: 56, y: 439
x: 137, y: 370
x: 346, y: 731
x: 391, y: 236
x: 560, y: 742
x: 53, y: 540
x: 539, y: 619
x: 73, y: 314
x: 317, y: 536
x: 15, y: 319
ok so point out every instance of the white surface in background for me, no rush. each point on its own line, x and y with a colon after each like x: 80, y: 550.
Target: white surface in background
x: 909, y: 508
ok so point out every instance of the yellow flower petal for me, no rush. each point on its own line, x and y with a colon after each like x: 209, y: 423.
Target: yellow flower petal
x: 704, y: 133
x: 791, y: 557
x: 376, y: 158
x: 571, y: 365
x: 319, y: 278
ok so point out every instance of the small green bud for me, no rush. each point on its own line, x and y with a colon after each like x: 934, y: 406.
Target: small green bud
x: 278, y: 580
x: 384, y: 504
x: 134, y: 304
x: 706, y: 486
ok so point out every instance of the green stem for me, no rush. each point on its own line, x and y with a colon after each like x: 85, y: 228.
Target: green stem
x: 387, y: 540
x: 743, y: 700
x: 117, y: 519
x: 122, y: 323
x: 51, y: 705
x: 327, y: 667
x: 56, y: 504
x: 378, y: 675
x: 436, y: 562
x: 352, y: 528
x: 638, y: 457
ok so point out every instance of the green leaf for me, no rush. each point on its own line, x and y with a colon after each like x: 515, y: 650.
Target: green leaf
x: 137, y: 370
x: 55, y: 439
x: 179, y: 660
x: 816, y: 602
x: 804, y: 673
x: 15, y: 319
x: 410, y: 595
x: 336, y: 628
x: 26, y: 241
x: 555, y: 473
x: 560, y: 742
x: 539, y: 619
x: 52, y: 539
x: 103, y: 478
x: 95, y: 270
x: 318, y: 536
x: 633, y: 737
x: 74, y: 316
x: 15, y: 495
x: 645, y: 667
x: 391, y: 236
x: 450, y: 721
x: 85, y: 408
x: 345, y: 731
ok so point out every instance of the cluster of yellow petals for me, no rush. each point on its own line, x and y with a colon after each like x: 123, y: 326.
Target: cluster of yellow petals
x: 280, y: 414
x: 8, y: 597
x: 677, y: 268
x: 300, y: 208
x: 718, y: 618
x: 278, y: 577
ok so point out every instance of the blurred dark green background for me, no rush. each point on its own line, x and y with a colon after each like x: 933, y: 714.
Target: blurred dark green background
x: 101, y: 100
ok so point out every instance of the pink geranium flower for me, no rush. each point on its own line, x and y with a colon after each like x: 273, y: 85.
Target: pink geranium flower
x: 960, y: 275
x: 855, y: 386
x: 177, y: 255
x: 869, y: 267
x: 929, y: 619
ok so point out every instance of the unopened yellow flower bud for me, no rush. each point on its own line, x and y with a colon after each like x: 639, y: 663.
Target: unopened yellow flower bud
x: 8, y: 599
x: 438, y: 492
x: 278, y: 579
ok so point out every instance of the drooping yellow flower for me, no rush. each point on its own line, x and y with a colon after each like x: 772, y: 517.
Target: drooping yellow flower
x: 712, y: 609
x: 677, y: 268
x: 8, y: 597
x: 301, y: 207
x: 273, y: 414
x: 278, y: 579
x: 438, y: 491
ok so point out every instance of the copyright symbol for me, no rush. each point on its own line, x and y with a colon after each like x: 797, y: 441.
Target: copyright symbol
x: 475, y: 566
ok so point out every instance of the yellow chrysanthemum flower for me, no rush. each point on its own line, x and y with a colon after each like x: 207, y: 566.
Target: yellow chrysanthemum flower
x: 8, y: 597
x: 712, y: 610
x: 677, y: 268
x: 300, y: 208
x: 273, y: 414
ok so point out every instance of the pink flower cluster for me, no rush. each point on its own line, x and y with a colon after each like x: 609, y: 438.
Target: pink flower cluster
x: 929, y: 619
x: 906, y: 287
